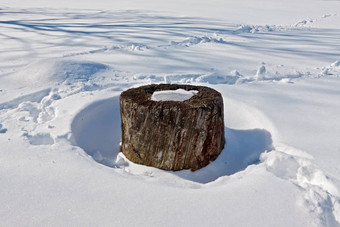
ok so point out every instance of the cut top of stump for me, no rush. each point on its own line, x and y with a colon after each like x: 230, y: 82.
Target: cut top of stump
x: 172, y: 135
x: 142, y: 95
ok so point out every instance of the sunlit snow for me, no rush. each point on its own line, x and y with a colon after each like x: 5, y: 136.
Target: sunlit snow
x: 63, y: 65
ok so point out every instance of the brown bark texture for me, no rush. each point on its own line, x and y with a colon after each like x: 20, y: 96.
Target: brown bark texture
x: 172, y: 135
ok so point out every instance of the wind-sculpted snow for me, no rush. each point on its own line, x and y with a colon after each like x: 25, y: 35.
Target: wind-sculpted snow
x: 129, y: 41
x: 97, y: 130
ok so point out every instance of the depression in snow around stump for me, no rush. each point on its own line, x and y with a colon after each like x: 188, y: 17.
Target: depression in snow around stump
x: 172, y: 135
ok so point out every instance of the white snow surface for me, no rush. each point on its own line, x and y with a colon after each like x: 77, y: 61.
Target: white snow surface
x: 63, y: 65
x: 179, y: 95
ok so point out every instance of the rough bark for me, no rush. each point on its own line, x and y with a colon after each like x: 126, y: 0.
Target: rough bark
x: 172, y: 135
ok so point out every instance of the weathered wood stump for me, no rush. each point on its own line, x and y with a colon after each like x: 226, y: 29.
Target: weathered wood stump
x: 172, y: 135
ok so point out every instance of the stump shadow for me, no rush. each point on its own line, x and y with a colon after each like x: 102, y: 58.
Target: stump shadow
x: 96, y: 129
x: 243, y: 148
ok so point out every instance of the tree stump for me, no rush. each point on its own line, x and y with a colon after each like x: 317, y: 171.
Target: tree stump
x: 172, y: 135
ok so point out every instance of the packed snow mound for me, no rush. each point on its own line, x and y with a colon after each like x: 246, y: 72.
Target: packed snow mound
x: 56, y: 70
x: 178, y: 95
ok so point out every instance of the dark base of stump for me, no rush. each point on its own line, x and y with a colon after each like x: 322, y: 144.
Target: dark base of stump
x: 172, y: 135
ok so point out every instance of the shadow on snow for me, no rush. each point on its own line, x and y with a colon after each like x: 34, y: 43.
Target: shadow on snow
x: 123, y: 27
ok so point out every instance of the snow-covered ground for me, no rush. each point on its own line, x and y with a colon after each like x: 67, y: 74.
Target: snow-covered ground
x: 63, y: 65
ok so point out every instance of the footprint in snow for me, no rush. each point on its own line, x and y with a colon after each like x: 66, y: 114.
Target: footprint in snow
x: 320, y: 195
x: 40, y: 139
x: 2, y: 130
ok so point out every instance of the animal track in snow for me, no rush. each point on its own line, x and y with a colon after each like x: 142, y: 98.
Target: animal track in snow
x: 47, y: 112
x: 35, y: 97
x: 2, y: 130
x: 39, y: 112
x: 311, y: 21
x: 257, y: 28
x: 331, y: 70
x: 320, y: 195
x: 128, y: 47
x: 269, y: 73
x: 216, y: 78
x: 194, y: 40
x: 40, y: 139
x: 31, y: 108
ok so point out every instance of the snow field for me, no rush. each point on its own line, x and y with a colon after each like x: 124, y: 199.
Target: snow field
x: 61, y: 73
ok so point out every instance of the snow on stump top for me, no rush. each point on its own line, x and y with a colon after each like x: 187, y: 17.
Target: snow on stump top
x: 173, y: 95
x: 184, y: 134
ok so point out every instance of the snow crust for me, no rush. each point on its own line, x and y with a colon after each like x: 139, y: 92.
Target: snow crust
x: 179, y: 95
x: 62, y: 70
